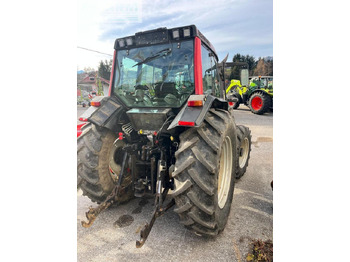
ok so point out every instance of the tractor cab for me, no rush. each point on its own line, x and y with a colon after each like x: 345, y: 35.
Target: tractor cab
x: 166, y: 68
x: 264, y: 82
x: 163, y: 67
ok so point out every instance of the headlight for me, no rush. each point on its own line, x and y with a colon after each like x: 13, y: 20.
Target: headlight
x: 121, y: 43
x: 129, y: 41
x: 187, y: 32
x: 176, y: 33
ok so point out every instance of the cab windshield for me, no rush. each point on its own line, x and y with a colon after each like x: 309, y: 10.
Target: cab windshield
x: 155, y: 76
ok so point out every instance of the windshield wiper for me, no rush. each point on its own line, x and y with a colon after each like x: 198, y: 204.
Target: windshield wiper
x: 161, y: 53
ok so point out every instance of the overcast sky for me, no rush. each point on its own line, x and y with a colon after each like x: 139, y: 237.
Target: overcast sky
x: 232, y: 26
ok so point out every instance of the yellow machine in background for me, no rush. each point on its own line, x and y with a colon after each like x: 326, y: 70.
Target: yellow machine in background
x: 258, y: 96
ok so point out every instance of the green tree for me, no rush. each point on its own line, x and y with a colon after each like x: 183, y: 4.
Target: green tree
x: 269, y: 65
x: 241, y: 58
x: 99, y: 86
x: 251, y: 63
x: 104, y: 69
x: 261, y: 68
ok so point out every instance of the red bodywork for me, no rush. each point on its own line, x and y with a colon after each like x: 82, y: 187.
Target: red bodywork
x: 198, y: 81
x: 79, y: 129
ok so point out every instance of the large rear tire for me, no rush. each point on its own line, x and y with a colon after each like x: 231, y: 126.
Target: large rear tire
x: 259, y: 103
x: 244, y: 142
x: 99, y: 164
x: 204, y: 173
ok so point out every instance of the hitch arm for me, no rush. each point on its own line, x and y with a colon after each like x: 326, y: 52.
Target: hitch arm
x: 159, y: 211
x: 92, y: 214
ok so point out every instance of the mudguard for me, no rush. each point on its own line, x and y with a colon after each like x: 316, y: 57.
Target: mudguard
x: 107, y: 114
x: 194, y: 116
x: 265, y: 90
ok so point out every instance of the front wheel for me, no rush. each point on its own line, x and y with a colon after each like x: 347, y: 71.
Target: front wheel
x: 204, y: 174
x: 244, y: 141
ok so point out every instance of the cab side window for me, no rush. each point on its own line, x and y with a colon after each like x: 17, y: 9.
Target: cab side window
x: 210, y: 86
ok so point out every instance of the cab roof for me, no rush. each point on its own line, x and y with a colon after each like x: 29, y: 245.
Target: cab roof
x: 162, y: 35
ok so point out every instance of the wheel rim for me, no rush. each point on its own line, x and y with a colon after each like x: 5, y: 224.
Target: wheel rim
x: 257, y: 103
x: 243, y: 152
x: 225, y: 172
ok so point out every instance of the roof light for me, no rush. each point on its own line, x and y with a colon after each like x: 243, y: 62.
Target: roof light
x: 176, y: 33
x: 129, y: 41
x: 97, y: 104
x: 187, y: 32
x: 121, y: 43
x: 83, y: 119
x: 185, y: 123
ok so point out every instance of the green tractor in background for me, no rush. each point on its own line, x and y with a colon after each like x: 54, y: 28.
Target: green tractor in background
x: 257, y: 93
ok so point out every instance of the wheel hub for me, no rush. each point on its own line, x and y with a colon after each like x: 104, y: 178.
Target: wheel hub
x: 243, y: 152
x: 257, y: 103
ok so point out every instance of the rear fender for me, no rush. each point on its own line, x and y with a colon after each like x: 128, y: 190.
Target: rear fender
x: 107, y: 114
x: 99, y: 99
x: 194, y: 116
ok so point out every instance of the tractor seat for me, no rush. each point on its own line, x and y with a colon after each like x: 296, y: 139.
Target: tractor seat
x: 161, y: 90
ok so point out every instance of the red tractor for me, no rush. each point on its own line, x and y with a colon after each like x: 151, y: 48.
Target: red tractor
x: 166, y: 130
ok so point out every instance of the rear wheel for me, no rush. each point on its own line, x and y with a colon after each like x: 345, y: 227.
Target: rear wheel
x: 204, y: 173
x: 244, y: 140
x: 99, y: 164
x: 259, y: 103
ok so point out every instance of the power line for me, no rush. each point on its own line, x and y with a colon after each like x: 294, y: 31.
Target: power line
x: 93, y: 50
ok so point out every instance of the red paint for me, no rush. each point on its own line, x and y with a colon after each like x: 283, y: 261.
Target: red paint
x: 112, y: 74
x: 185, y: 123
x: 79, y: 129
x: 198, y: 80
x: 257, y: 103
x: 83, y: 119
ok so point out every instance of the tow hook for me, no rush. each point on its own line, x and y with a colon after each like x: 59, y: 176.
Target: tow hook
x: 159, y: 211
